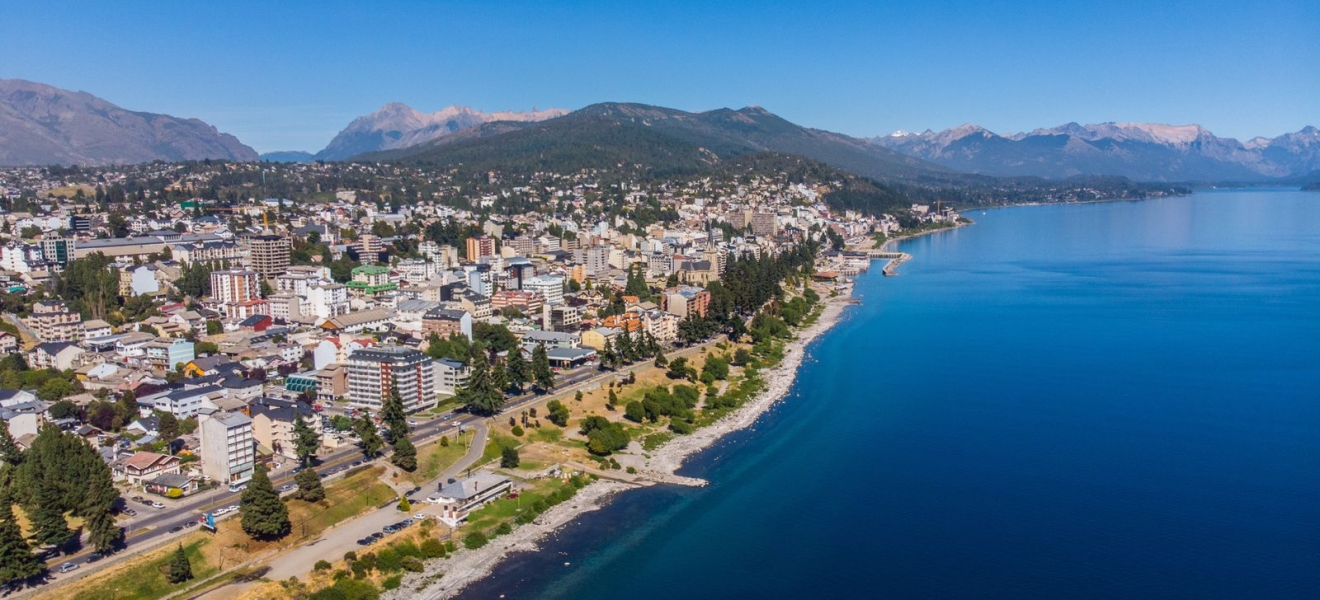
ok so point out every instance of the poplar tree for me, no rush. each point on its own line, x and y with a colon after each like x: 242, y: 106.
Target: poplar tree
x: 97, y: 508
x: 264, y: 515
x: 545, y: 377
x: 305, y: 441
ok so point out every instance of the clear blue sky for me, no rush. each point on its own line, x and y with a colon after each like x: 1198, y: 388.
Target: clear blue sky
x: 289, y: 75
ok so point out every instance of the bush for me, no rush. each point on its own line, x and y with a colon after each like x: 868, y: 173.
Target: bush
x: 634, y: 411
x: 509, y: 458
x: 475, y: 540
x: 631, y: 470
x: 518, y: 431
x: 392, y: 583
x: 350, y: 556
x: 444, y: 440
x: 680, y: 426
x: 557, y: 413
x: 347, y: 589
x: 432, y: 548
x: 412, y: 565
x: 404, y: 504
x: 389, y: 560
x: 321, y: 565
x: 450, y: 547
x: 504, y: 529
x: 174, y: 493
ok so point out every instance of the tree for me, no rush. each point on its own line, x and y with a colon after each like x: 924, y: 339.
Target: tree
x: 366, y: 431
x: 660, y: 360
x: 309, y: 486
x: 509, y: 458
x: 392, y: 415
x: 679, y: 369
x: 98, y: 508
x: 264, y: 515
x: 541, y: 371
x: 480, y: 394
x: 63, y: 409
x: 557, y: 413
x: 17, y: 562
x: 169, y: 426
x: 49, y: 528
x: 305, y: 441
x: 517, y: 370
x: 214, y: 327
x: 405, y: 454
x: 634, y: 411
x: 180, y: 568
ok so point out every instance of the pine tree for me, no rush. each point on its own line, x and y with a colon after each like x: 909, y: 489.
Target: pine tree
x: 367, y: 435
x: 545, y: 377
x: 49, y: 528
x: 264, y: 515
x: 405, y: 454
x: 17, y: 562
x: 392, y: 415
x: 309, y: 486
x: 98, y: 507
x: 499, y: 376
x: 517, y: 369
x: 609, y: 358
x: 480, y: 394
x: 180, y: 568
x: 10, y: 453
x: 305, y: 441
x: 624, y: 347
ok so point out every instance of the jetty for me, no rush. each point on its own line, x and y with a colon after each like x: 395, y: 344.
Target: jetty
x: 896, y: 258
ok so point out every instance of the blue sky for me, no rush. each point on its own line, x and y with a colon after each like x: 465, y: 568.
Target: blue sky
x: 289, y: 75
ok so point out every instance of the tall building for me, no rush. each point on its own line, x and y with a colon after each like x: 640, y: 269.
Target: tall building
x: 54, y: 322
x: 551, y: 287
x: 764, y: 224
x: 229, y: 452
x: 235, y: 285
x: 478, y: 247
x: 269, y: 254
x: 374, y: 372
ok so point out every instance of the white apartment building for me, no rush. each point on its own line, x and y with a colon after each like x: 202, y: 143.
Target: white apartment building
x: 229, y: 451
x: 551, y: 287
x: 235, y: 285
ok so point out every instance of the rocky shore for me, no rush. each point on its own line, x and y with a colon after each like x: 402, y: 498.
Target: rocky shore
x: 468, y: 566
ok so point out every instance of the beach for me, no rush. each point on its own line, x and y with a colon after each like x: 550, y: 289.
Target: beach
x: 467, y: 566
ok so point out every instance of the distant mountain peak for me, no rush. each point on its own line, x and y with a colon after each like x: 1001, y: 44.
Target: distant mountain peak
x: 397, y: 125
x: 43, y: 124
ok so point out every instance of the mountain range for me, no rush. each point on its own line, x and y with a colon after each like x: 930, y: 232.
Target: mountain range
x: 41, y: 124
x: 618, y: 135
x: 397, y: 125
x: 1138, y: 151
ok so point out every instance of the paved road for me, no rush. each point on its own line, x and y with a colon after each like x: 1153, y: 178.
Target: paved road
x: 151, y: 528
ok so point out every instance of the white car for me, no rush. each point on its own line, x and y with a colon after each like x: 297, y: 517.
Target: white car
x: 433, y: 499
x: 422, y: 517
x: 66, y: 567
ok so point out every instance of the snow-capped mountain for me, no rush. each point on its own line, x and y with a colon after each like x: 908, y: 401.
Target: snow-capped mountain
x: 397, y: 125
x: 1140, y: 151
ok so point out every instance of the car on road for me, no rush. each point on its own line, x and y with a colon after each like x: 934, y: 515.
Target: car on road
x: 68, y: 566
x: 286, y: 487
x: 376, y: 536
x: 412, y: 422
x: 237, y: 488
x: 421, y: 516
x: 190, y: 524
x: 136, y: 498
x: 356, y: 463
x: 366, y: 541
x: 176, y: 529
x: 130, y: 512
x: 93, y: 557
x: 156, y: 504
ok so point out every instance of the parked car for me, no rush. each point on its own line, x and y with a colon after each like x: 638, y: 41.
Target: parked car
x: 157, y: 505
x: 68, y: 566
x: 93, y: 557
x: 389, y: 529
x: 376, y: 536
x: 421, y: 516
x: 176, y: 529
x: 366, y: 541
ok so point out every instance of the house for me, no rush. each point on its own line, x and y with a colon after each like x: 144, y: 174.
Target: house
x: 24, y: 418
x: 373, y: 319
x: 8, y: 343
x: 96, y: 328
x: 466, y: 494
x: 550, y: 339
x: 256, y: 323
x: 450, y: 376
x: 142, y: 466
x: 144, y: 426
x: 211, y: 365
x: 173, y: 485
x: 598, y: 337
x: 54, y: 355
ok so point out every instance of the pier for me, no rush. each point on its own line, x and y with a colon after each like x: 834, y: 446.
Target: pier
x: 895, y: 259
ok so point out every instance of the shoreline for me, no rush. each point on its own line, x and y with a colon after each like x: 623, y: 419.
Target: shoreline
x: 468, y: 566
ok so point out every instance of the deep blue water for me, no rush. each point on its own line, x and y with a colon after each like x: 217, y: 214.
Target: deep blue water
x: 1098, y: 401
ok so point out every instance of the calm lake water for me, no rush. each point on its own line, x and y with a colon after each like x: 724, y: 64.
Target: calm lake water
x: 1097, y: 401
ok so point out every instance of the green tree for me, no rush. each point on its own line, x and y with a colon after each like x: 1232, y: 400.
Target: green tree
x: 634, y: 411
x: 180, y: 568
x: 509, y: 457
x: 541, y: 371
x: 309, y: 485
x: 49, y: 527
x: 169, y: 426
x: 405, y: 454
x: 214, y: 327
x: 98, y: 509
x: 557, y: 413
x: 17, y: 562
x: 264, y: 515
x: 392, y: 415
x: 305, y: 441
x: 517, y: 370
x: 480, y: 394
x: 366, y: 431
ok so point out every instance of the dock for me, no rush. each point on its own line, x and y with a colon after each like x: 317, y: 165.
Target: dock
x: 898, y: 258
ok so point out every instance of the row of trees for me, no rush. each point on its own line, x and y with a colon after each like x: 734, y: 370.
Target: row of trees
x: 488, y: 383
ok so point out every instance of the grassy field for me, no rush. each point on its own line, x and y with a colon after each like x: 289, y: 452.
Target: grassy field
x: 434, y: 459
x: 144, y: 578
x: 496, y: 445
x: 345, y: 499
x: 504, y: 509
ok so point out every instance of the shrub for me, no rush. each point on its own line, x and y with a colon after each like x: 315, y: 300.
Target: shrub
x: 392, y: 582
x: 518, y: 431
x: 350, y: 556
x: 321, y: 565
x: 631, y: 470
x: 634, y: 411
x: 450, y: 547
x: 509, y: 458
x: 475, y: 540
x: 175, y: 493
x: 680, y: 426
x: 557, y: 413
x: 388, y: 560
x: 432, y: 548
x: 504, y: 529
x: 444, y: 441
x: 412, y: 564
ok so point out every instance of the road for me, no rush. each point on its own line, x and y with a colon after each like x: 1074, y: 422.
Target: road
x: 151, y: 527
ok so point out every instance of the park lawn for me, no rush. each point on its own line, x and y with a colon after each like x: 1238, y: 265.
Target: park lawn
x: 497, y: 443
x: 343, y: 499
x: 547, y: 433
x: 143, y: 578
x: 490, y: 516
x: 434, y: 459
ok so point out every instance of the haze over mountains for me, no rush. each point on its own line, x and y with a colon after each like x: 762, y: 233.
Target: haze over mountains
x: 41, y: 124
x: 1138, y: 151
